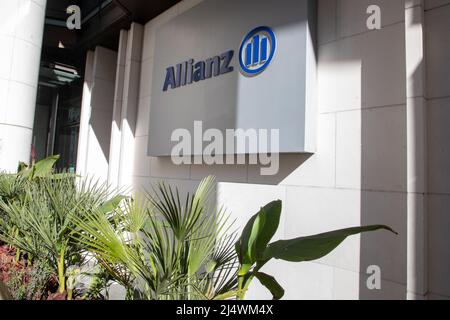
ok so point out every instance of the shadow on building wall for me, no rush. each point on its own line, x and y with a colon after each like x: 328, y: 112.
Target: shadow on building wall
x: 384, y: 161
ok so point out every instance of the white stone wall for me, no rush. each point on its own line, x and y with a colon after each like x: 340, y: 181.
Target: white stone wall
x: 437, y: 23
x: 21, y: 30
x: 359, y: 173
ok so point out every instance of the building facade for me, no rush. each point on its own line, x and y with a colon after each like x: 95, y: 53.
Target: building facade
x: 381, y: 130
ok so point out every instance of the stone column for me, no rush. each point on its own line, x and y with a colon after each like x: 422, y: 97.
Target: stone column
x: 21, y: 32
x: 97, y: 114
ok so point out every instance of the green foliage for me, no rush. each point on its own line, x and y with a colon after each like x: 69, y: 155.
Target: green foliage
x: 41, y: 223
x: 270, y: 283
x: 11, y: 187
x: 312, y: 247
x: 41, y: 169
x: 100, y: 281
x: 36, y: 207
x: 257, y: 233
x: 158, y: 247
x: 254, y: 250
x: 162, y: 248
x: 30, y: 283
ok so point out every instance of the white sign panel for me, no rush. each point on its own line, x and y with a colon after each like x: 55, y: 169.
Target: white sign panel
x: 236, y: 64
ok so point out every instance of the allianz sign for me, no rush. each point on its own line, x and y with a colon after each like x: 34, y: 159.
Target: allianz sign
x: 255, y: 54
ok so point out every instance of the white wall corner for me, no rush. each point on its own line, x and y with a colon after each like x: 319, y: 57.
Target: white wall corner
x: 417, y: 262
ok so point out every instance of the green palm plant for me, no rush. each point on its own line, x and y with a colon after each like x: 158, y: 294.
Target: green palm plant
x: 161, y: 247
x: 39, y: 223
x: 13, y: 189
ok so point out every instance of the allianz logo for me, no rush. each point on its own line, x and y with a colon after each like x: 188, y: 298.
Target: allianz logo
x: 187, y: 72
x: 257, y: 51
x: 255, y: 54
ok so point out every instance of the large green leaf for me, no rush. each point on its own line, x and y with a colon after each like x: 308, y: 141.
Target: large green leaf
x: 44, y: 167
x: 312, y: 247
x: 258, y: 232
x: 270, y: 283
x: 269, y: 220
x: 41, y: 169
